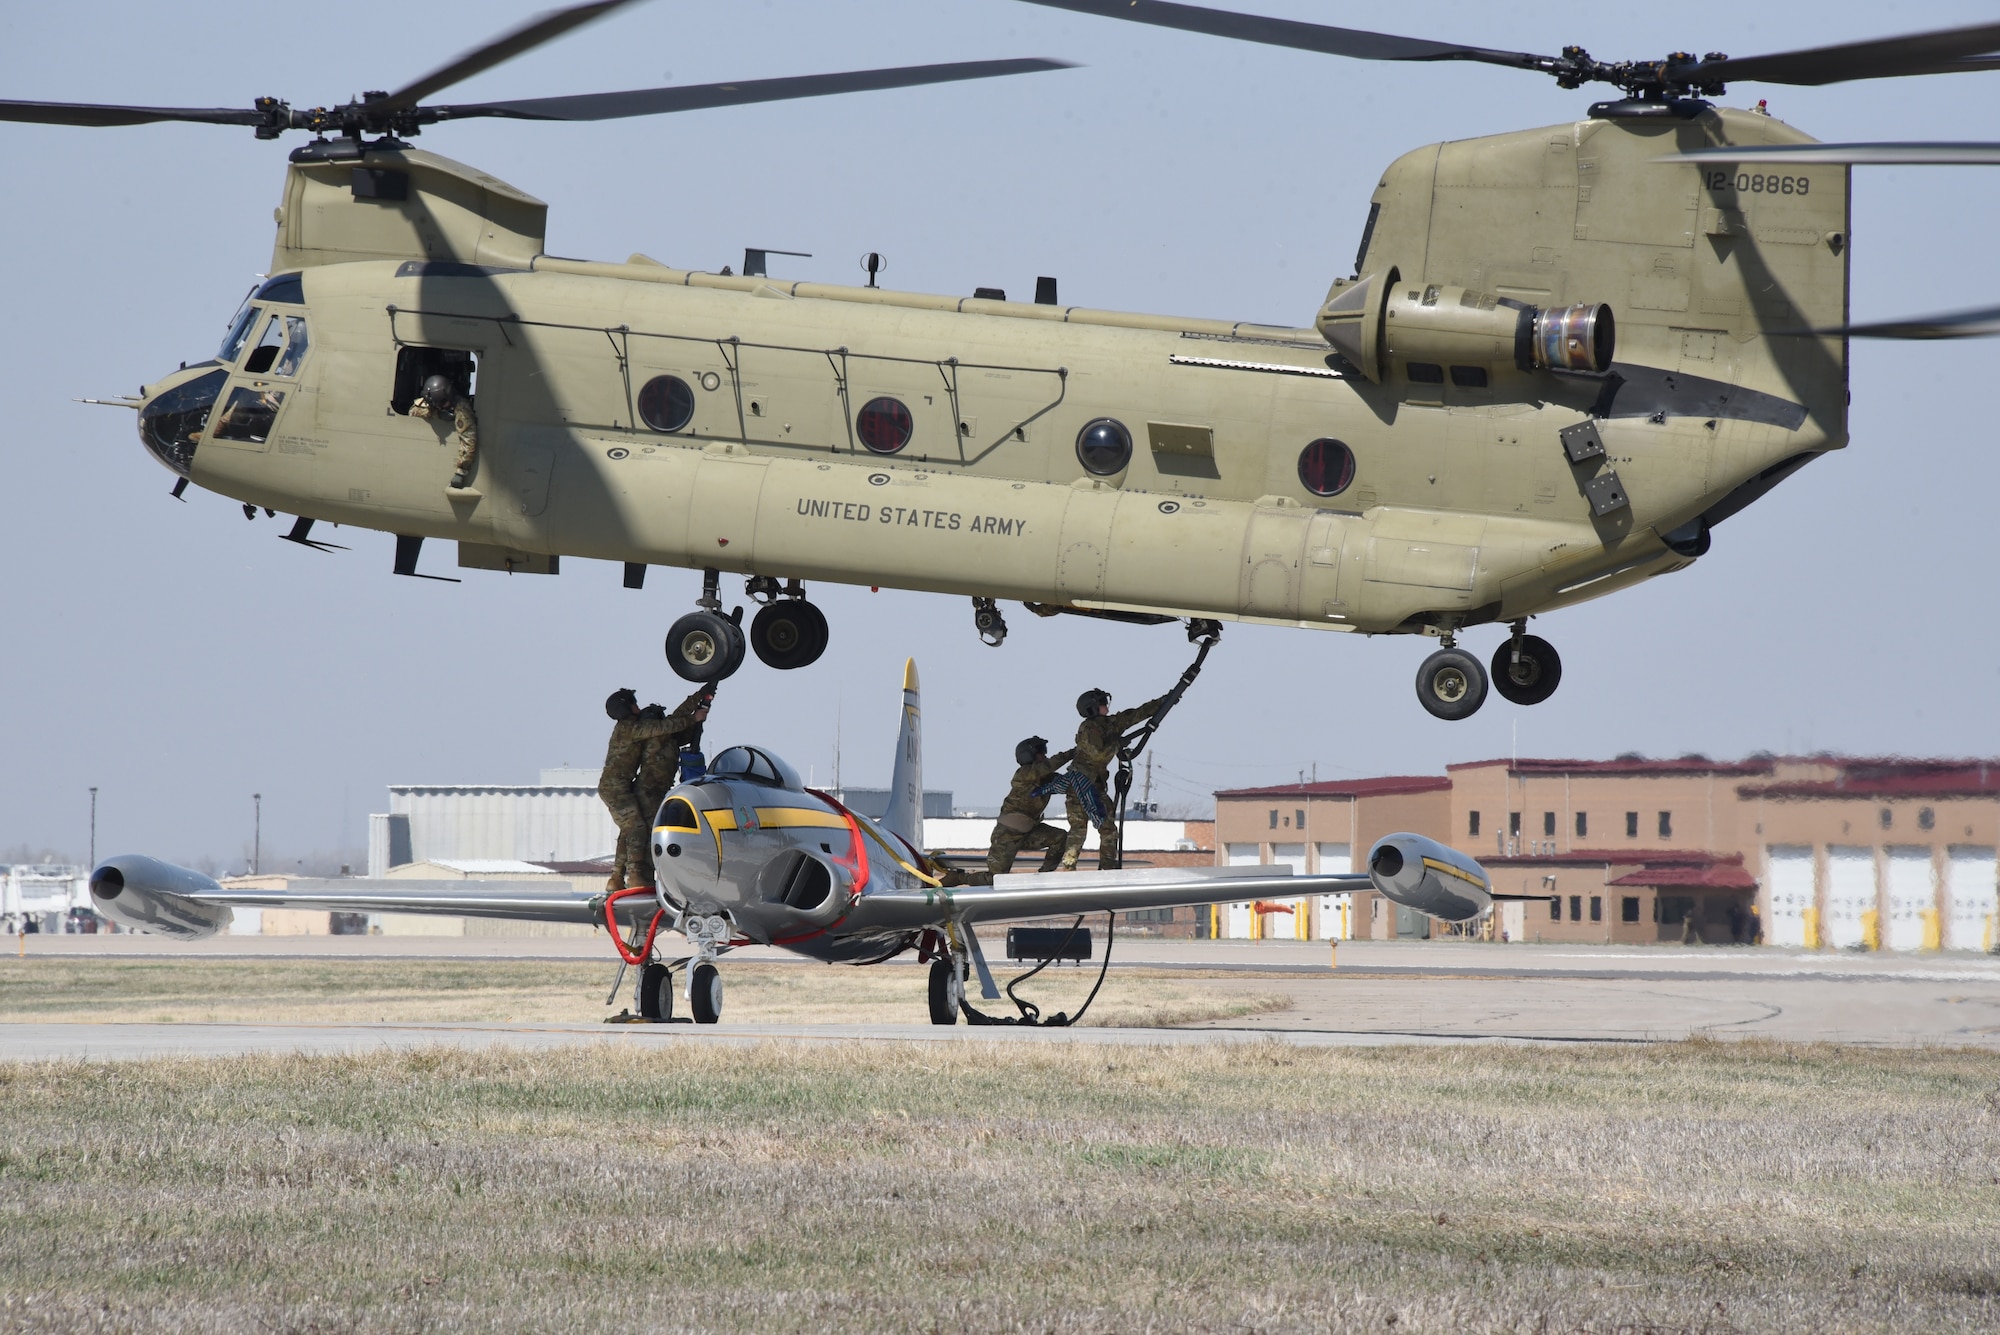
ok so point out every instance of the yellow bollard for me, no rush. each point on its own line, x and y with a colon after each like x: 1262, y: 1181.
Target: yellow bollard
x: 1812, y: 929
x: 1933, y: 930
x: 1333, y: 954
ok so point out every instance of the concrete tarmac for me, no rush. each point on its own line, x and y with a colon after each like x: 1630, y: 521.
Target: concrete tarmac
x: 1379, y: 993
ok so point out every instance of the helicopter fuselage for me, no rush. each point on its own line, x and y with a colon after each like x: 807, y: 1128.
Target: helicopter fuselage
x: 643, y: 414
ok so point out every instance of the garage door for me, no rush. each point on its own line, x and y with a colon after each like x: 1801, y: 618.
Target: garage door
x: 1336, y: 912
x: 1912, y: 899
x: 1850, y: 893
x: 1969, y: 881
x: 1236, y: 917
x: 1791, y: 894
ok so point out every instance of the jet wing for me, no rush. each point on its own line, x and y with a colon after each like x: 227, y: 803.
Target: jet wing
x: 150, y: 895
x: 1059, y: 893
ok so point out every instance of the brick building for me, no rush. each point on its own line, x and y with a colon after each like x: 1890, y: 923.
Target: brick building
x: 1814, y: 851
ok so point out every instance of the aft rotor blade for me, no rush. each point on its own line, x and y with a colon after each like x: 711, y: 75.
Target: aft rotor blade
x: 505, y: 47
x: 696, y: 97
x: 1945, y: 51
x: 1983, y: 323
x: 1910, y: 154
x: 93, y: 113
x: 1355, y: 42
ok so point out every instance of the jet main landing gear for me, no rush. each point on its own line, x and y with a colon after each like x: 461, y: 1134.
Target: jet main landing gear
x: 947, y: 989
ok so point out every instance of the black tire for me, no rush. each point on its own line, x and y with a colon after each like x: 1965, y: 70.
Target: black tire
x: 1533, y: 679
x: 656, y: 993
x: 739, y: 642
x: 1451, y: 684
x: 705, y: 994
x: 944, y: 1002
x: 788, y: 634
x: 702, y: 646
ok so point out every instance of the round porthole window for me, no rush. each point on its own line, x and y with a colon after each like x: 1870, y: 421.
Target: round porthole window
x: 1104, y: 447
x: 884, y: 425
x: 1326, y: 467
x: 666, y: 403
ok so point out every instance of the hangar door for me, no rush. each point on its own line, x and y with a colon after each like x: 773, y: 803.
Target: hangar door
x: 1291, y: 924
x: 1791, y: 888
x: 1336, y: 912
x: 1850, y: 893
x: 1912, y: 899
x: 1235, y: 922
x: 1969, y: 880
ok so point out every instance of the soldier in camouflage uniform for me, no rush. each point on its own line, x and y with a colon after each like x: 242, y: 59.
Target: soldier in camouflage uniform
x: 1021, y: 825
x: 436, y: 401
x: 1097, y: 740
x: 618, y: 785
x: 659, y: 765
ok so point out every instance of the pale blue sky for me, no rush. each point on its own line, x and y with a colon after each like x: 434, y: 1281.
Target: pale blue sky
x: 180, y: 658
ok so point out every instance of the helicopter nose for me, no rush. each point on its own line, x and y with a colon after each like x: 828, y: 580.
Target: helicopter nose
x: 172, y: 418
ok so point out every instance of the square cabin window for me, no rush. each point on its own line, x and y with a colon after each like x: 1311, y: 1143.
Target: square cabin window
x: 1548, y: 822
x: 1631, y: 825
x: 1582, y: 825
x: 1628, y: 908
x: 1472, y: 824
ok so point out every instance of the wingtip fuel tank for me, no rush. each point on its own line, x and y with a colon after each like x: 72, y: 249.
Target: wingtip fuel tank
x: 1425, y: 875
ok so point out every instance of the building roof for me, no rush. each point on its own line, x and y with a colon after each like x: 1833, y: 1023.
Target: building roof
x: 1720, y: 875
x: 1630, y: 766
x: 1389, y: 786
x: 1891, y: 779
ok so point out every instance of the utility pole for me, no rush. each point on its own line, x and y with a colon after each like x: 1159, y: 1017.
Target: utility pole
x: 93, y: 828
x: 257, y: 834
x: 1146, y: 794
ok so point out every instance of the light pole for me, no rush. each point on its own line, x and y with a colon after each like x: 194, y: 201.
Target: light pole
x: 93, y: 828
x: 257, y: 834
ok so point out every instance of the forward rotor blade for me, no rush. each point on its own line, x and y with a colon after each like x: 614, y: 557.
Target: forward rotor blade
x: 696, y: 97
x: 1355, y: 42
x: 1945, y: 51
x: 93, y: 113
x: 1983, y: 323
x: 1912, y: 154
x: 505, y: 47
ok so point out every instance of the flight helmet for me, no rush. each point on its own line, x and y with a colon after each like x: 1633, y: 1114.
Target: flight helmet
x: 1087, y: 703
x: 1030, y: 750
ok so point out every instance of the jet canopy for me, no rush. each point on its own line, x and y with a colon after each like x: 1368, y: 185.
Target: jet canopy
x: 755, y: 765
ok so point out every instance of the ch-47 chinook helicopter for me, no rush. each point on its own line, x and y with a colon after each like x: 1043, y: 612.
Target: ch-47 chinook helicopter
x: 747, y: 854
x: 1565, y: 355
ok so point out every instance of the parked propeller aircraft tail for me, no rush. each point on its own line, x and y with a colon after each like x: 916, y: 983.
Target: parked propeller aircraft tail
x: 746, y: 854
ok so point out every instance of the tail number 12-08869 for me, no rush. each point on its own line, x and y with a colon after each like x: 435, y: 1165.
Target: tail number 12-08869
x: 1756, y: 183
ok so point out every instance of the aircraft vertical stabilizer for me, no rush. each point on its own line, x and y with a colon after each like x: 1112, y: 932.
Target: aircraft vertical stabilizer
x: 905, y: 816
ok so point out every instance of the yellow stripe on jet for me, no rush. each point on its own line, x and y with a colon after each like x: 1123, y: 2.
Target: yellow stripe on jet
x: 1450, y: 870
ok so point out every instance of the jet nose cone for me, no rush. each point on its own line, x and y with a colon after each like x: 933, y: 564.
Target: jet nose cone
x: 172, y: 419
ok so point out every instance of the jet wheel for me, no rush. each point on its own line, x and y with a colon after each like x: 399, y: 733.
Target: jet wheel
x: 705, y: 994
x: 704, y: 646
x: 1531, y: 680
x: 787, y: 634
x: 656, y: 993
x: 1451, y: 684
x: 946, y: 990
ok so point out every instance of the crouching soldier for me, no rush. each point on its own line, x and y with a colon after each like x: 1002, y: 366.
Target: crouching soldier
x: 1021, y: 825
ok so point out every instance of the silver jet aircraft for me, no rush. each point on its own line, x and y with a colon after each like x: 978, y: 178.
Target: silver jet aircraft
x: 747, y: 854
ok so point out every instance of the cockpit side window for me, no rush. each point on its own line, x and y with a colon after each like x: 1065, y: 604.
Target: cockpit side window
x: 678, y: 815
x: 269, y: 345
x: 295, y: 346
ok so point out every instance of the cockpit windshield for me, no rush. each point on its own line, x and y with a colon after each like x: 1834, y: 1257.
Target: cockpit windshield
x: 757, y: 765
x: 238, y: 335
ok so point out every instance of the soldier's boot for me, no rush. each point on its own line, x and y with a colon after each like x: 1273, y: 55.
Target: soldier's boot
x: 1052, y: 859
x: 1072, y: 850
x: 1107, y: 848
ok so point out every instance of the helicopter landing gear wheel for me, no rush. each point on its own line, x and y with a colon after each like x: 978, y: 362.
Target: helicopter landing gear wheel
x: 705, y: 993
x: 656, y: 993
x: 1526, y: 673
x: 790, y: 633
x: 704, y: 646
x: 947, y: 990
x: 1451, y: 684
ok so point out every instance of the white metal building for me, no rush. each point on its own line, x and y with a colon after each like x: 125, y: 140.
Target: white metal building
x: 559, y: 819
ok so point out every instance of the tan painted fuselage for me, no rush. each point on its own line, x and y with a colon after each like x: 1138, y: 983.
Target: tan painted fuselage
x: 1463, y: 506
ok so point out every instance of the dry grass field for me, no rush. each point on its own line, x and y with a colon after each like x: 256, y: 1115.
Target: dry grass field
x: 915, y: 1187
x: 345, y: 991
